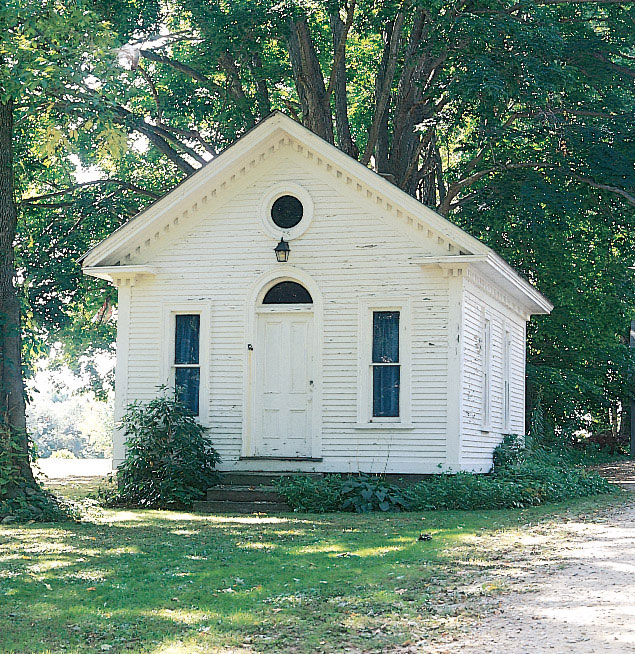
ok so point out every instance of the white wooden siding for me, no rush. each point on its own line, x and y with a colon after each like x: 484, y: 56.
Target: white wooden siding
x: 351, y: 253
x: 478, y: 444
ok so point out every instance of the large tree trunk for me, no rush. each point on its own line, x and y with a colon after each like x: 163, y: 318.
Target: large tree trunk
x: 344, y: 138
x: 12, y: 404
x: 309, y: 80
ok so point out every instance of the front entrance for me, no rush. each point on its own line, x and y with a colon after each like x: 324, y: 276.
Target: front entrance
x: 283, y: 374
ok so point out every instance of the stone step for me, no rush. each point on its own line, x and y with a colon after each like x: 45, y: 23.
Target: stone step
x: 245, y: 494
x: 225, y: 506
x: 258, y: 478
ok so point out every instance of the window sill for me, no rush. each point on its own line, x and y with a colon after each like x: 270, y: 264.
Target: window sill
x: 384, y: 425
x: 486, y: 429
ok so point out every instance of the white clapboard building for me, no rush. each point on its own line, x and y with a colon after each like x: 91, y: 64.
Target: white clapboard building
x: 317, y: 318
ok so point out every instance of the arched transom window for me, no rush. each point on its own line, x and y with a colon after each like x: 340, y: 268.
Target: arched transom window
x: 287, y: 293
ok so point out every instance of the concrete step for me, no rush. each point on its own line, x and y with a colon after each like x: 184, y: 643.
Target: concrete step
x: 226, y: 506
x: 245, y: 494
x: 257, y: 478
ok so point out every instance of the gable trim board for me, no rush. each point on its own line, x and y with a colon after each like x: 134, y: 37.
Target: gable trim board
x: 274, y: 132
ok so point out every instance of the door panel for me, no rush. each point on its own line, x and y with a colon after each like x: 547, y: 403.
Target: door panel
x: 297, y: 346
x: 283, y: 392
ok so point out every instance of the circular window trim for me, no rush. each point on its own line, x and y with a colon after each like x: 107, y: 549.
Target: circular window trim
x: 277, y: 191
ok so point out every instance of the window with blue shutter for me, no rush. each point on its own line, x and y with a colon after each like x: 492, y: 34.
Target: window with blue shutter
x: 187, y: 369
x: 385, y: 364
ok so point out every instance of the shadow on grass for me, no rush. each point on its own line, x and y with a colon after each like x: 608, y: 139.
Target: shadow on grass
x: 149, y: 581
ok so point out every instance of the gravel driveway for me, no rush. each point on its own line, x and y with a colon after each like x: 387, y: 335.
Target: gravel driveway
x: 579, y: 598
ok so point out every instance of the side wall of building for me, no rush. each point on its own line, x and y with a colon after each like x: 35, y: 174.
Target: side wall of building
x: 482, y: 303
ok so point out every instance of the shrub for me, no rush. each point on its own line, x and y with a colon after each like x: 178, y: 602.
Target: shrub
x: 516, y: 486
x: 169, y: 462
x: 312, y: 494
x: 359, y: 493
x: 510, y: 452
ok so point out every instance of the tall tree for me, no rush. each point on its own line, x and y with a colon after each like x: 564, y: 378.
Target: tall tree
x: 47, y: 51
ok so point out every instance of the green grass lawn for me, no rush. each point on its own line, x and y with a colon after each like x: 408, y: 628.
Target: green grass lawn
x: 153, y: 581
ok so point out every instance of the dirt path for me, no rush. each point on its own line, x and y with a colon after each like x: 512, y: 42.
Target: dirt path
x: 577, y: 596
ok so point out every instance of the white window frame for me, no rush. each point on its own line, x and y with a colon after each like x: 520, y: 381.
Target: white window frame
x: 170, y: 311
x: 486, y: 372
x: 507, y: 395
x: 365, y: 418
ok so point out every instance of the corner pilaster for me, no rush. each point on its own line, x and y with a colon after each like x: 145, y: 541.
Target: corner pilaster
x: 124, y: 294
x: 454, y: 422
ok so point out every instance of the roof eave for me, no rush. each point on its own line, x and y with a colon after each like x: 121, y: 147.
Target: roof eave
x: 497, y: 270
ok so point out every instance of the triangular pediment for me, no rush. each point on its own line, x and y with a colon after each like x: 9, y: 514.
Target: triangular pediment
x: 215, y: 182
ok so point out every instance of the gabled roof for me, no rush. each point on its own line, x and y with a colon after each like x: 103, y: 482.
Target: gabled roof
x: 281, y: 127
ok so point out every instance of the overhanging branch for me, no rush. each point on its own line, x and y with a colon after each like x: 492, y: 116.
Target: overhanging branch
x: 96, y: 182
x: 457, y: 187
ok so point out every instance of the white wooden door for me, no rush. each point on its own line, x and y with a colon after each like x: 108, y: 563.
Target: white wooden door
x: 284, y: 385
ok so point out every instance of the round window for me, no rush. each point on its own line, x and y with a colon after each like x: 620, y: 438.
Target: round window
x: 286, y: 211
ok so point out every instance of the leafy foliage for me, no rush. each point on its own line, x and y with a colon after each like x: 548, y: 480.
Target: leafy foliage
x: 169, y: 461
x: 513, y: 119
x: 310, y: 494
x: 359, y: 493
x: 517, y: 486
x: 520, y: 479
x: 511, y: 451
x: 365, y: 493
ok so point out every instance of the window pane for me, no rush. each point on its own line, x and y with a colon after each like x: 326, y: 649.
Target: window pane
x: 385, y: 336
x: 187, y: 382
x: 287, y: 293
x: 286, y: 212
x: 188, y: 328
x: 386, y: 391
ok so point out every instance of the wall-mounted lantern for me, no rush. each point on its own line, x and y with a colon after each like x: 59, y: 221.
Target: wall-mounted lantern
x: 282, y: 251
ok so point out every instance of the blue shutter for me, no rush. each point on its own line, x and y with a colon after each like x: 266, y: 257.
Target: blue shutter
x: 186, y: 343
x: 386, y: 337
x: 386, y: 371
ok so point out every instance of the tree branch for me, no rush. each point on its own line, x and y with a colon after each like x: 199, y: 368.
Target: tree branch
x: 338, y: 77
x: 456, y: 188
x: 235, y: 85
x: 629, y: 72
x: 603, y: 187
x: 262, y: 92
x: 96, y: 182
x: 309, y: 79
x: 153, y: 89
x: 183, y: 68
